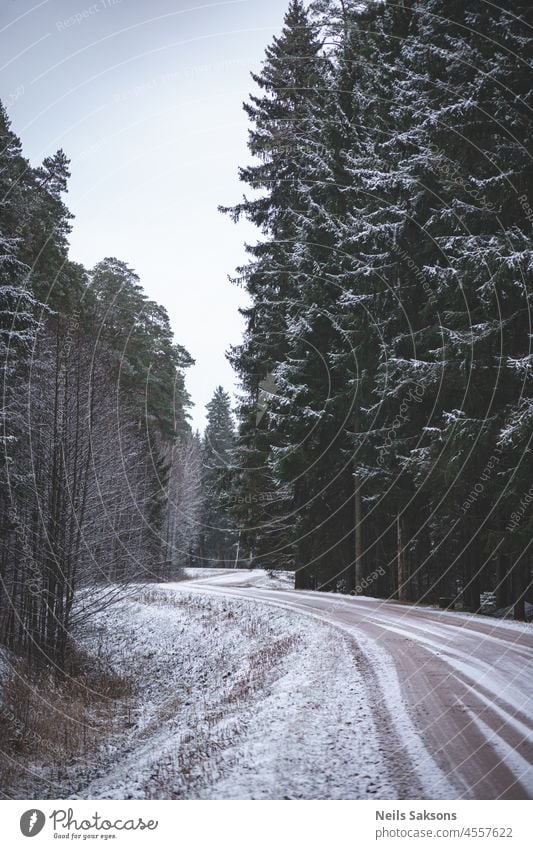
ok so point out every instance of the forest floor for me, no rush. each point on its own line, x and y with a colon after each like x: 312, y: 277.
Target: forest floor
x: 231, y: 685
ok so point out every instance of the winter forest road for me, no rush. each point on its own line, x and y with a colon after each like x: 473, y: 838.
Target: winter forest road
x: 450, y: 694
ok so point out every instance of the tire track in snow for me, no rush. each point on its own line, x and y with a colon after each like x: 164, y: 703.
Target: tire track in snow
x: 433, y: 684
x: 417, y: 761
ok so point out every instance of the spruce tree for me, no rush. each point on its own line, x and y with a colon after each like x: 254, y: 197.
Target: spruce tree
x: 292, y: 88
x: 218, y: 537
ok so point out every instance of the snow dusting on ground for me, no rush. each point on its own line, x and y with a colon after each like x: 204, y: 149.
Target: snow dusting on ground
x: 231, y: 686
x: 236, y: 700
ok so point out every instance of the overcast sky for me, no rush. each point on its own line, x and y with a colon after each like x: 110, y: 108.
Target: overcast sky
x: 145, y: 97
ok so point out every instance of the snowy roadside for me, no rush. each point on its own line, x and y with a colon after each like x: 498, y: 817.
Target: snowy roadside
x: 274, y: 579
x: 223, y: 690
x: 235, y: 699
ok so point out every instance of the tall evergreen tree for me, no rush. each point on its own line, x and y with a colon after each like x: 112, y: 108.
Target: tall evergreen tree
x: 403, y: 376
x: 218, y: 536
x: 93, y: 402
x: 292, y: 85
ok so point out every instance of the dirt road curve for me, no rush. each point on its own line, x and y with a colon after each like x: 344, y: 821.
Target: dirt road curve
x: 451, y: 694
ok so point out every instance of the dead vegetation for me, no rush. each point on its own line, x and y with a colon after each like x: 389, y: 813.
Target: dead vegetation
x: 63, y: 733
x: 210, y: 750
x: 49, y: 723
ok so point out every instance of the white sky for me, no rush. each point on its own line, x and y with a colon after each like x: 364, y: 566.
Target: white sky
x: 146, y: 100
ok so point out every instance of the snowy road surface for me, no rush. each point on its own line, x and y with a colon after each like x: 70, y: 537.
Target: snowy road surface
x: 450, y: 695
x: 243, y: 688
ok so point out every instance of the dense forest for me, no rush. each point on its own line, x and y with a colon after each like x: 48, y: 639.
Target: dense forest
x: 386, y: 411
x: 100, y: 472
x: 385, y: 415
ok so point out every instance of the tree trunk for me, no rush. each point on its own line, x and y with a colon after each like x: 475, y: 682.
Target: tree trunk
x: 520, y: 584
x: 400, y: 554
x: 358, y: 536
x: 503, y: 588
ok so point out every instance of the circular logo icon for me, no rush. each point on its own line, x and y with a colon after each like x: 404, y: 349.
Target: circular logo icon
x: 32, y: 822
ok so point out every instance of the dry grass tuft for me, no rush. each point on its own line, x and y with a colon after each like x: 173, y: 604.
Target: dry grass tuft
x: 53, y: 721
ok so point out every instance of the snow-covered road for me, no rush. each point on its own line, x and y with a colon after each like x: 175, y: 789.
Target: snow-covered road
x: 450, y: 695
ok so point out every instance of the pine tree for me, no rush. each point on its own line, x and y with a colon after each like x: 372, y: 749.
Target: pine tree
x: 93, y: 404
x: 471, y: 251
x: 186, y: 501
x: 404, y: 370
x: 292, y: 85
x: 328, y: 370
x: 218, y: 535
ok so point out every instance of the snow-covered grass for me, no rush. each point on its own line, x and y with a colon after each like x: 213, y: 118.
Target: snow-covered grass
x: 201, y: 691
x: 235, y: 700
